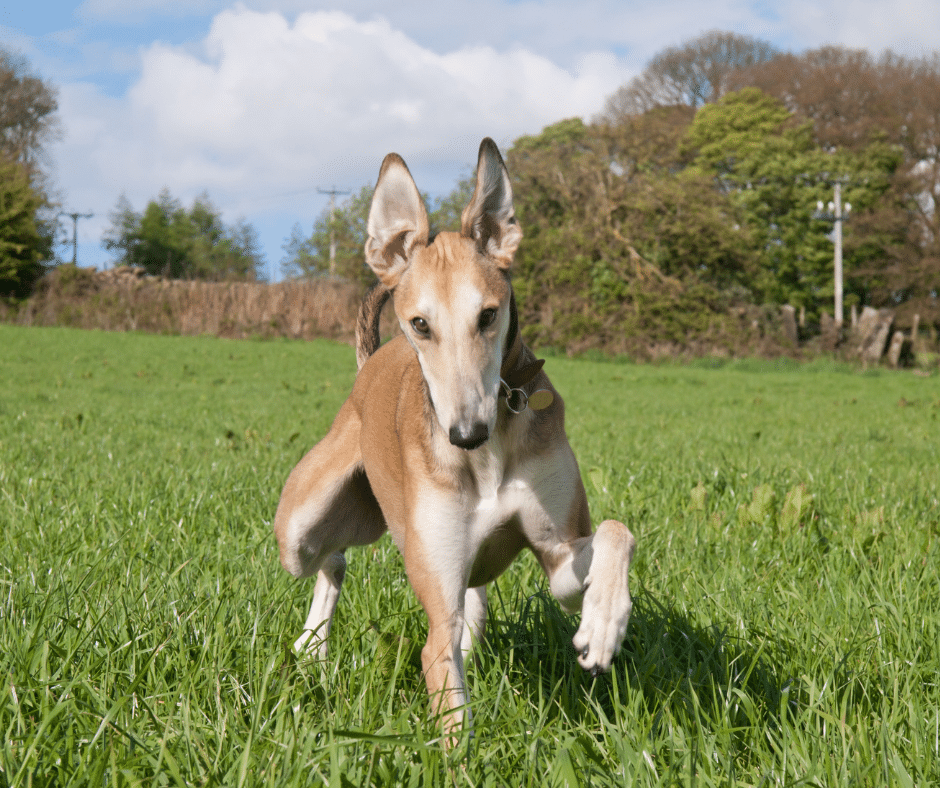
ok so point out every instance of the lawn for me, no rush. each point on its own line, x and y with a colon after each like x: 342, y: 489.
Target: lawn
x: 786, y: 626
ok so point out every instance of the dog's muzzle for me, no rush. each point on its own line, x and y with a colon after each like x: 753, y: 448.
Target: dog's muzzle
x: 478, y: 435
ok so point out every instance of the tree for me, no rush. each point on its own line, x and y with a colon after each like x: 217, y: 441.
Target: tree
x: 851, y: 96
x: 447, y: 211
x: 24, y: 243
x: 618, y: 242
x: 28, y: 108
x: 692, y: 74
x: 27, y: 224
x: 309, y: 256
x: 764, y: 158
x: 856, y: 103
x: 169, y: 240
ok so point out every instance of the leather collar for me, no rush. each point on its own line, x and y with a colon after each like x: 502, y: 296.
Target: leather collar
x: 513, y: 371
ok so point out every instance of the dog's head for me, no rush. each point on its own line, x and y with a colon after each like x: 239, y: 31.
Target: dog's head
x: 452, y: 296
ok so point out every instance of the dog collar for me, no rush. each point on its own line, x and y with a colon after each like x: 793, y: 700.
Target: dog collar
x: 517, y: 400
x: 514, y: 376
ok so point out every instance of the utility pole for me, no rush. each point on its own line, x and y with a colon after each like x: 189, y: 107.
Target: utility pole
x: 837, y: 243
x: 837, y: 215
x: 332, y: 192
x: 75, y: 217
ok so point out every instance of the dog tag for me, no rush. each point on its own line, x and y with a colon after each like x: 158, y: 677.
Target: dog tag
x: 541, y: 399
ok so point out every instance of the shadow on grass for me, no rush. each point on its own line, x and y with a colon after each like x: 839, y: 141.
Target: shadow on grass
x: 698, y: 676
x: 692, y: 672
x: 673, y: 675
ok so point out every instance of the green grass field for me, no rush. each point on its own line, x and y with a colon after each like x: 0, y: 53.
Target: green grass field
x: 786, y: 626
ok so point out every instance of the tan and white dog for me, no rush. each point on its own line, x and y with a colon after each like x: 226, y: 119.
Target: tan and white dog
x: 453, y: 439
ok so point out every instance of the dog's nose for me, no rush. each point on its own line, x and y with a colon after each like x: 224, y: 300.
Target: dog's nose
x: 477, y: 436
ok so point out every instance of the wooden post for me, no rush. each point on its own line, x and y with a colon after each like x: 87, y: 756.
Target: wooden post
x: 894, y: 352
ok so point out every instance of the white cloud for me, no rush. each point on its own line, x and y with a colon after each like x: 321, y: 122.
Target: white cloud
x: 276, y: 100
x: 329, y: 85
x: 263, y: 107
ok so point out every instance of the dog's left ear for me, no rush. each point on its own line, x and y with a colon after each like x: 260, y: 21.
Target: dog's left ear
x: 490, y: 218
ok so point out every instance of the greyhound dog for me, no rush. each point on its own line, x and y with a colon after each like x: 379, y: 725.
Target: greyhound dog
x: 453, y: 440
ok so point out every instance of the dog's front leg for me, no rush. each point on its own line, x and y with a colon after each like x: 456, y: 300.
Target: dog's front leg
x: 451, y: 637
x: 442, y: 660
x: 441, y: 589
x: 594, y: 570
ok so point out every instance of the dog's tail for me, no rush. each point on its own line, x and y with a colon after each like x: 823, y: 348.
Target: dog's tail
x: 367, y: 326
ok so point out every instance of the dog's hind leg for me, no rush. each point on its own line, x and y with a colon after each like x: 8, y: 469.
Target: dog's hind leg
x: 325, y: 596
x: 474, y: 619
x: 327, y: 505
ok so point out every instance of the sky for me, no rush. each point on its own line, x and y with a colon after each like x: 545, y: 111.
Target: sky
x: 266, y: 104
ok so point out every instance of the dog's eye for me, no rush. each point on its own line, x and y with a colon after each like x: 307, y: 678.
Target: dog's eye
x: 420, y: 325
x: 487, y: 318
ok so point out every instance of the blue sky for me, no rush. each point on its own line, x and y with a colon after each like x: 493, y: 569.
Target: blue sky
x: 261, y: 103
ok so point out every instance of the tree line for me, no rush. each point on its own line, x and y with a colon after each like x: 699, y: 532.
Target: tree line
x: 692, y: 192
x: 696, y: 188
x: 166, y: 238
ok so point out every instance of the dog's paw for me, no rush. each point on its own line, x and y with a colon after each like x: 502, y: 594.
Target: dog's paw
x: 603, y: 626
x: 605, y: 611
x: 310, y: 645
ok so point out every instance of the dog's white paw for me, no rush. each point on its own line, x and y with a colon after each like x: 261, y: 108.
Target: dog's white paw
x: 605, y: 611
x: 310, y: 644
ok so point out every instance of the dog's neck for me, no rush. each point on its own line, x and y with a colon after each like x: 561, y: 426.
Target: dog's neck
x: 515, y: 371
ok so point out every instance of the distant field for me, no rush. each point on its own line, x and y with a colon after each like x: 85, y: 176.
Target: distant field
x: 786, y: 626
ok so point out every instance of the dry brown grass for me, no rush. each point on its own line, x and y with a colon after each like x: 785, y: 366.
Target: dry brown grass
x: 125, y: 299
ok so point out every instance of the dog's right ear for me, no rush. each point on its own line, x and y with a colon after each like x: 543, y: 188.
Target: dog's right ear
x: 398, y: 222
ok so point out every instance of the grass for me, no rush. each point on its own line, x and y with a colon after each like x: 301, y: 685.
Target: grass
x: 786, y: 626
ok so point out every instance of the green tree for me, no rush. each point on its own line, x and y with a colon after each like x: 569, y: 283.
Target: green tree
x: 24, y: 243
x: 28, y: 108
x: 28, y: 121
x: 447, y: 210
x: 856, y: 102
x: 309, y: 255
x: 168, y: 240
x: 618, y: 241
x: 765, y: 160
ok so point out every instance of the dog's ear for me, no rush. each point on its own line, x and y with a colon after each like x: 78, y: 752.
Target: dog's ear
x: 398, y: 222
x: 490, y: 218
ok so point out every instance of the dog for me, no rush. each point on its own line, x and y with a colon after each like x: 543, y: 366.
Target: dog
x: 453, y: 440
